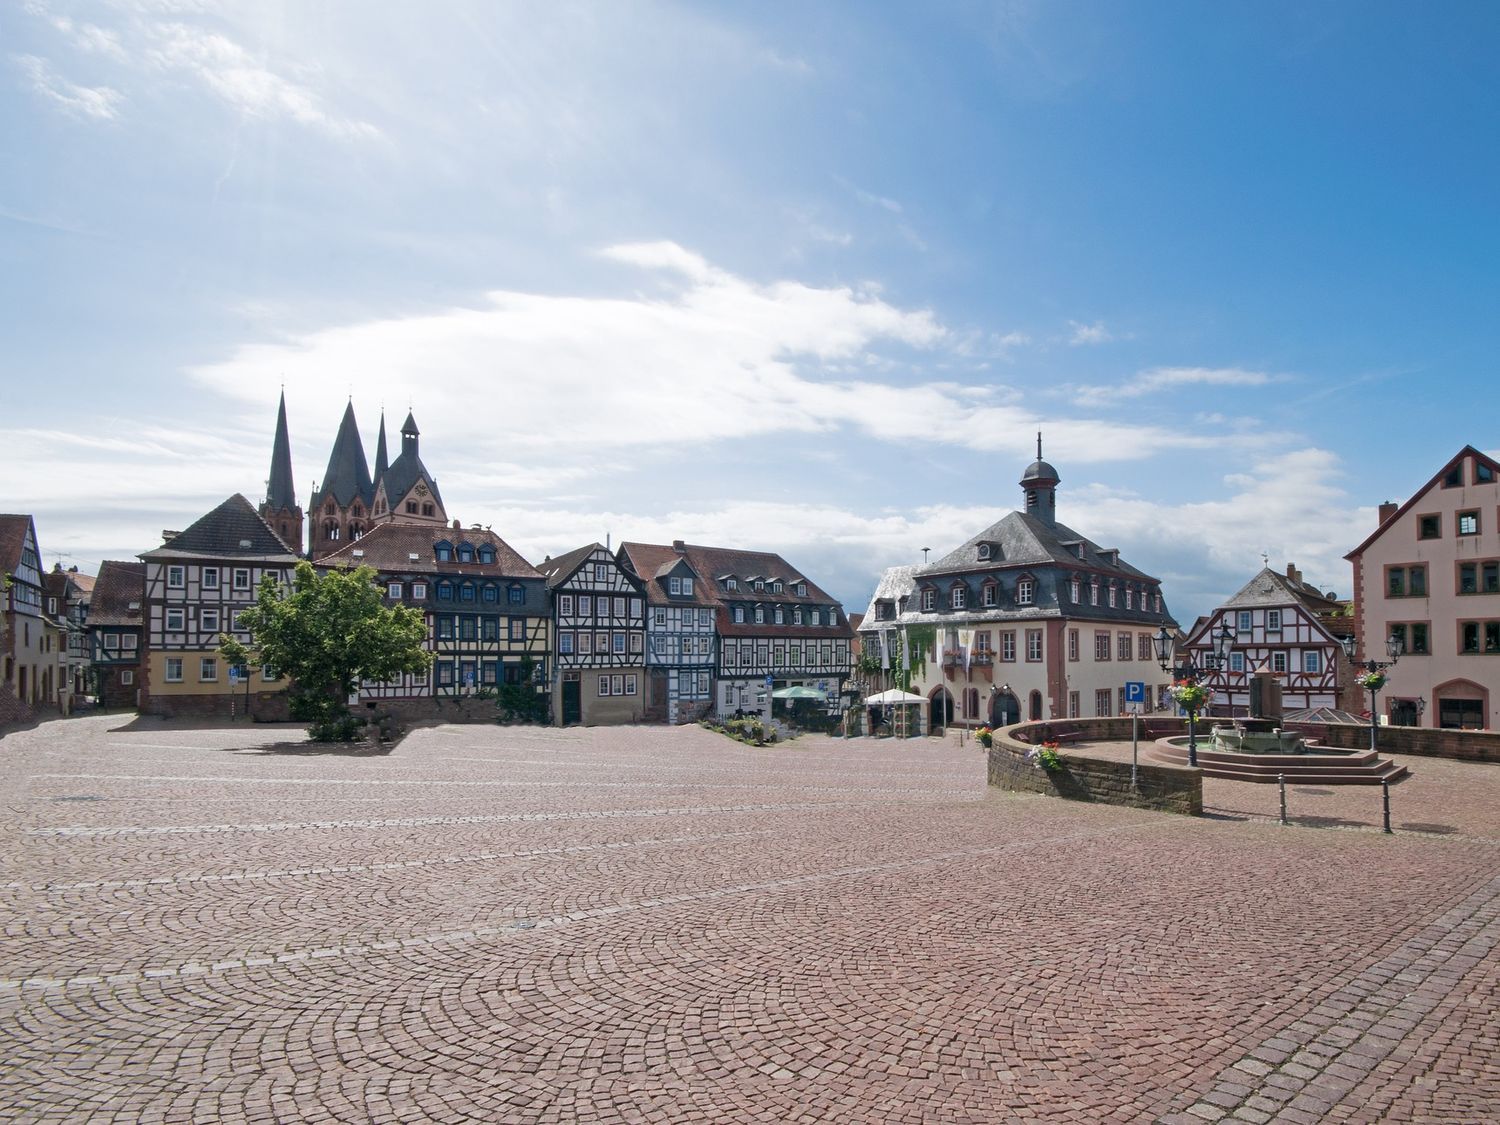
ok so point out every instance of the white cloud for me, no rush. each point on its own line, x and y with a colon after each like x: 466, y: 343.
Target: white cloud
x: 86, y: 37
x: 98, y: 103
x: 711, y: 358
x: 243, y: 82
x: 1161, y: 379
x: 1086, y: 334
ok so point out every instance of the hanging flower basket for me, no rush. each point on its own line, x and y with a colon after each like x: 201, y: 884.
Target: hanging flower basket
x: 1372, y: 681
x: 1190, y: 696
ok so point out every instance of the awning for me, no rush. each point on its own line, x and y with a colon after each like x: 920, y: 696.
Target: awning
x: 797, y: 692
x: 893, y: 695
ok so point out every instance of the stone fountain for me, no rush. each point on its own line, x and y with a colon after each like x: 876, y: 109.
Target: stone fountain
x: 1261, y: 733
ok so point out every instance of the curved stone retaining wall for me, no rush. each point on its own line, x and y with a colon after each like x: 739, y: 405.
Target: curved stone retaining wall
x: 1085, y: 777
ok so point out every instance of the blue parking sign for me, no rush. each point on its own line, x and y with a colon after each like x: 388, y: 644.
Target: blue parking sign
x: 1135, y: 691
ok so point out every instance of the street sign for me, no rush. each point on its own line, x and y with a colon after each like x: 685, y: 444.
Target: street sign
x: 1135, y: 691
x: 770, y: 681
x: 234, y: 675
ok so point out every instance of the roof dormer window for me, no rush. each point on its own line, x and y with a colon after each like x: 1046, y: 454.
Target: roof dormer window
x: 1025, y: 591
x: 731, y: 583
x: 465, y: 553
x: 487, y: 554
x: 929, y: 600
x: 443, y: 552
x: 985, y: 551
x: 958, y: 597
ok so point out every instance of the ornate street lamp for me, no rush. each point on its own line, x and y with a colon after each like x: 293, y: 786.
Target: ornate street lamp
x: 1188, y: 673
x: 1374, y: 678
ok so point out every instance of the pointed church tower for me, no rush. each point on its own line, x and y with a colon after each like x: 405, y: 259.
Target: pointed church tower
x: 341, y: 508
x: 1040, y: 486
x: 382, y: 461
x: 280, y: 509
x: 406, y: 492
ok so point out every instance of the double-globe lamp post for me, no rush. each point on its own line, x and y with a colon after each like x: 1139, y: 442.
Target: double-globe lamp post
x: 1373, y: 681
x: 1188, y: 671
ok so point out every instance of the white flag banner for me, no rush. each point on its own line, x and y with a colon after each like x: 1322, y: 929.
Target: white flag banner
x: 965, y: 641
x: 885, y: 649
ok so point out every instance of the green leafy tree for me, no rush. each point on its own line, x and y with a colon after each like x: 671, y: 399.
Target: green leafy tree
x: 327, y: 633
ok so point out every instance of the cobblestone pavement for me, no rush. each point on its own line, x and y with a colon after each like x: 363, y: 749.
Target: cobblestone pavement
x: 643, y: 924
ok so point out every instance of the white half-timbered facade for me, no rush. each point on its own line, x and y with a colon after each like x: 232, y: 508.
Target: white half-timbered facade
x: 681, y: 638
x: 599, y: 620
x: 27, y: 651
x: 196, y: 584
x: 1284, y: 626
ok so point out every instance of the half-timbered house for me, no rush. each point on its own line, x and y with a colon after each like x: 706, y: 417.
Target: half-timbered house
x: 777, y: 629
x: 28, y: 657
x: 1028, y: 619
x: 197, y: 583
x: 1287, y: 627
x: 114, y: 632
x: 599, y: 618
x: 487, y: 609
x: 681, y: 649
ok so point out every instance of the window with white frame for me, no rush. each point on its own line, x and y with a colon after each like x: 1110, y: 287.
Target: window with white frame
x: 1075, y: 590
x: 242, y: 578
x: 210, y: 577
x: 988, y: 594
x: 739, y: 615
x: 175, y: 620
x: 174, y: 670
x: 780, y: 617
x: 1243, y: 621
x: 565, y: 605
x: 1025, y: 591
x: 208, y: 669
x: 127, y: 677
x: 760, y: 615
x: 958, y: 597
x: 418, y: 591
x: 1093, y: 593
x: 1111, y: 595
x: 208, y: 621
x: 1312, y: 661
x: 1278, y: 662
x: 176, y: 577
x: 393, y: 590
x: 1273, y: 620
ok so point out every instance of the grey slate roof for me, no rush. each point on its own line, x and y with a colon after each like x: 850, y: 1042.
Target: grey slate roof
x: 1023, y: 540
x: 348, y: 473
x: 559, y: 570
x: 1268, y: 588
x: 896, y: 583
x: 407, y: 469
x: 281, y: 493
x: 233, y: 530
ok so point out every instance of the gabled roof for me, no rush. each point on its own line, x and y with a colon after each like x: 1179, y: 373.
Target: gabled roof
x: 1023, y: 540
x: 233, y: 530
x: 14, y: 530
x: 389, y: 547
x: 653, y: 563
x: 120, y: 585
x: 348, y: 473
x: 402, y: 476
x: 1466, y: 451
x: 1268, y: 588
x: 281, y: 493
x: 559, y: 570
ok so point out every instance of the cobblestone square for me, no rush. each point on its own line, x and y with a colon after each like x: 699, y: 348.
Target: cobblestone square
x: 659, y: 924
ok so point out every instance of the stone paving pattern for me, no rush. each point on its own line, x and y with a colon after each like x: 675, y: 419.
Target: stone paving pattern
x: 651, y: 924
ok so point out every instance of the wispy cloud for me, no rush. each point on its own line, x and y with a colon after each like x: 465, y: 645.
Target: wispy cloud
x: 245, y: 83
x: 1159, y: 379
x: 96, y: 103
x: 1082, y: 335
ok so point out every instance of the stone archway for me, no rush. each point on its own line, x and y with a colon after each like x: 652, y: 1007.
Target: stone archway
x: 939, y: 708
x: 1005, y: 709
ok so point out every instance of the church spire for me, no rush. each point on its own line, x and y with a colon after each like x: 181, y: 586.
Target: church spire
x: 281, y: 493
x: 382, y: 461
x: 279, y: 509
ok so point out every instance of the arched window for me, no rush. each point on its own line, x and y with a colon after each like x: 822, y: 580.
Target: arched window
x: 356, y: 530
x: 330, y: 530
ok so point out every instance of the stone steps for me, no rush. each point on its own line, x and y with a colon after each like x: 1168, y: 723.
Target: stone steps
x: 1316, y: 767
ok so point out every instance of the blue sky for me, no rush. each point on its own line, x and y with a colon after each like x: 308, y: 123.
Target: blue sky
x: 800, y: 277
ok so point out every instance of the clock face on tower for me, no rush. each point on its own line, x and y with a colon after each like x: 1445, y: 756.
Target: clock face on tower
x: 421, y: 490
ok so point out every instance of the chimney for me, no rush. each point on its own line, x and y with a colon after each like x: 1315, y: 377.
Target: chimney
x: 168, y: 536
x: 679, y: 546
x: 1294, y: 574
x: 458, y: 525
x: 1387, y: 510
